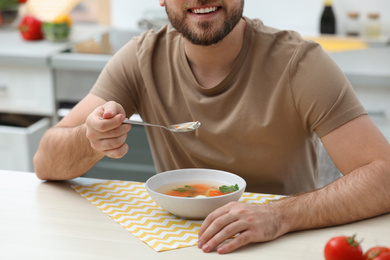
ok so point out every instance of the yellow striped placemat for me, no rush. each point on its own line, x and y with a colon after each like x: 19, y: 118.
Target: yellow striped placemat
x: 130, y: 205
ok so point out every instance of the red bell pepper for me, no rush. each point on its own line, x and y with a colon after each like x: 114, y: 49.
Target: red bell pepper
x: 31, y: 28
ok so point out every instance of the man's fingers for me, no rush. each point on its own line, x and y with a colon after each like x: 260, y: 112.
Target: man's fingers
x: 118, y: 152
x: 113, y: 127
x: 237, y: 242
x: 222, y: 226
x: 104, y: 124
x: 111, y: 109
x: 237, y: 224
x: 107, y: 130
x: 107, y: 144
x: 227, y: 232
x: 211, y: 217
x: 114, y: 148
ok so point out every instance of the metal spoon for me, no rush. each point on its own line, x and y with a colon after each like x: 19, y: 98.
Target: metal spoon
x: 183, y: 127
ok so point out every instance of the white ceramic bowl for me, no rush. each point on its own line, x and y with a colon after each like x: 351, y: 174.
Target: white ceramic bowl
x: 193, y: 208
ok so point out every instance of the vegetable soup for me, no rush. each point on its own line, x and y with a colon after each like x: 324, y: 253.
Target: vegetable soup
x: 197, y: 190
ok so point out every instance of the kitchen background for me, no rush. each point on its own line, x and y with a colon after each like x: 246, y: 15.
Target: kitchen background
x: 300, y: 15
x: 56, y: 75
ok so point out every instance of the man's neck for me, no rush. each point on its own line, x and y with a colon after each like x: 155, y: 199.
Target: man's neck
x: 211, y: 64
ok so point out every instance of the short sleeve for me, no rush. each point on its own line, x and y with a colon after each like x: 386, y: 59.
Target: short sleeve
x: 120, y: 80
x: 324, y: 98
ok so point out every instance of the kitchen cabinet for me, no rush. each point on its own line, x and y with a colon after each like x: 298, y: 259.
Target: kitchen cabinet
x: 18, y: 144
x: 27, y: 94
x: 26, y: 90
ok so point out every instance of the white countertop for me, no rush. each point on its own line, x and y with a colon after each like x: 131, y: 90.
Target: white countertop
x: 49, y: 220
x: 15, y: 50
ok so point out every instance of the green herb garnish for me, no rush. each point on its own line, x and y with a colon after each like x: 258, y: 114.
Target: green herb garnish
x: 227, y: 189
x: 185, y: 189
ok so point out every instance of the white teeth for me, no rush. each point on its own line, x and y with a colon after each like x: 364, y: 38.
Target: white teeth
x: 204, y: 10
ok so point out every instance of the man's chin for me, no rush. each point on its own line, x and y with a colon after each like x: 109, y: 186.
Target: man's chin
x: 204, y: 40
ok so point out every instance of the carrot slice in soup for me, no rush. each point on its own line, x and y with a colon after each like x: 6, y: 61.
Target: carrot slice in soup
x: 178, y: 193
x: 214, y: 193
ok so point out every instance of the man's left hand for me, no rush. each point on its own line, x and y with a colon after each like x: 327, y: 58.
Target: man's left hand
x: 245, y: 223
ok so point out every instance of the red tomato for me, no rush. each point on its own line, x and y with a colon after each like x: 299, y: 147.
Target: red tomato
x: 378, y: 253
x: 343, y: 248
x: 31, y: 28
x: 384, y: 256
x: 22, y: 1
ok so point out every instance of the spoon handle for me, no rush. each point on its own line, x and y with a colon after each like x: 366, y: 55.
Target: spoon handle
x: 127, y: 121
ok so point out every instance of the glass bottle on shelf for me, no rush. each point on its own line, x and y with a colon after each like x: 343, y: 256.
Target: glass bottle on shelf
x: 373, y: 26
x: 328, y: 19
x: 353, y: 24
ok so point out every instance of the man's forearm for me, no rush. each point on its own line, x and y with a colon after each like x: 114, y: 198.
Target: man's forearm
x: 64, y: 153
x: 361, y: 194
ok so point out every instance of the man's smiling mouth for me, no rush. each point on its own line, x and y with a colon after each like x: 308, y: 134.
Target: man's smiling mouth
x: 206, y: 10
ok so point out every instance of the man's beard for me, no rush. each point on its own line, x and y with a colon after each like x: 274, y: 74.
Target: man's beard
x: 206, y: 36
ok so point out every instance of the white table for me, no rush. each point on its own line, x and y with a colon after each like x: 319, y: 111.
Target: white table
x: 49, y: 220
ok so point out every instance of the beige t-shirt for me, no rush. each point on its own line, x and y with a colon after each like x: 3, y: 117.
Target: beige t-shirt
x: 261, y: 122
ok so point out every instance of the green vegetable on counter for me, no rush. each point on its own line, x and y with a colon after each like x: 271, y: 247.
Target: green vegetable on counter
x: 59, y: 29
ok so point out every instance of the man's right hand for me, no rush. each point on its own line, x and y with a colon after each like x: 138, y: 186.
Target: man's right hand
x: 105, y: 130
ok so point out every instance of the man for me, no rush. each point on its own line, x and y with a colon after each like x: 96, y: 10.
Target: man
x: 262, y: 96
